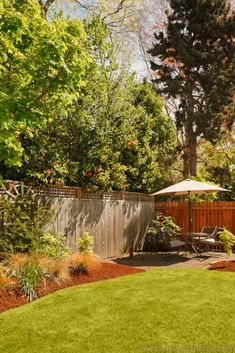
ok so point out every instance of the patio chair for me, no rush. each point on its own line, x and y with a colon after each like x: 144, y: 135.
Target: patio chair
x: 213, y: 241
x: 211, y: 231
x: 169, y: 243
x: 196, y: 239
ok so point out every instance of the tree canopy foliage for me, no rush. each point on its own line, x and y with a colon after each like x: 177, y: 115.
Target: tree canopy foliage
x: 195, y: 66
x: 72, y: 111
x: 112, y: 135
x: 41, y: 67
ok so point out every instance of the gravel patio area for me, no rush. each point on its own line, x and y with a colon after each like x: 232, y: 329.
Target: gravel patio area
x: 173, y: 260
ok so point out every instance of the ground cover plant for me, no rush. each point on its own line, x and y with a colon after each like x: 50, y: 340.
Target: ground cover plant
x: 165, y: 311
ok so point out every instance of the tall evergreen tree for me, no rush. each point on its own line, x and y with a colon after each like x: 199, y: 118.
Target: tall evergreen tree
x: 193, y: 61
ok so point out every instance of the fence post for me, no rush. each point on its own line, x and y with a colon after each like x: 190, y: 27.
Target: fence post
x: 78, y: 193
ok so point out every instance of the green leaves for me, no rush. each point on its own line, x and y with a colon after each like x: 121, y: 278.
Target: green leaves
x: 80, y: 121
x: 41, y: 68
x: 228, y: 240
x: 23, y: 222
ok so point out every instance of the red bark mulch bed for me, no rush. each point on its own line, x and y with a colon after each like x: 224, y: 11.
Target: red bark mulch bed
x: 226, y: 266
x: 14, y: 298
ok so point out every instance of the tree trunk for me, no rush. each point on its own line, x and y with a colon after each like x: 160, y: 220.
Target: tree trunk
x: 193, y: 156
x: 186, y: 169
x: 191, y: 137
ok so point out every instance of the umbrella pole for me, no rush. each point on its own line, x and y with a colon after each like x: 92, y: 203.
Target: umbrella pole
x: 191, y: 243
x: 190, y: 214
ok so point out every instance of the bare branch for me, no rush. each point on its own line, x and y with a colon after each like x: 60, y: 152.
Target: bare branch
x: 118, y: 9
x: 40, y: 3
x: 85, y: 7
x: 47, y: 5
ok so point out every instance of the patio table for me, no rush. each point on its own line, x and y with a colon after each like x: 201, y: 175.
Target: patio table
x: 193, y: 240
x: 197, y: 236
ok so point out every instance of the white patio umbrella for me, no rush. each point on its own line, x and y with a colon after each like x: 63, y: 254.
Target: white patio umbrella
x: 188, y: 187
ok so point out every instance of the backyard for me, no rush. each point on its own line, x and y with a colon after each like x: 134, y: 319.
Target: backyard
x: 117, y: 176
x: 154, y: 311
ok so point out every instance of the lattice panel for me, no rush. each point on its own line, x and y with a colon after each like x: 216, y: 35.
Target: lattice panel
x: 91, y: 195
x: 15, y: 188
x: 115, y: 195
x: 56, y: 192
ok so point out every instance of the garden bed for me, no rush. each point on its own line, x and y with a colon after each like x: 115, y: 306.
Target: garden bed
x: 13, y: 298
x: 226, y: 266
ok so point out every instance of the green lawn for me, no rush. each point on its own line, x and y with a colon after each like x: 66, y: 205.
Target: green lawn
x: 156, y: 311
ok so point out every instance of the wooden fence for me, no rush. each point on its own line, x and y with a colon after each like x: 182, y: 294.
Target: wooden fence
x: 115, y: 219
x: 115, y: 225
x: 217, y: 213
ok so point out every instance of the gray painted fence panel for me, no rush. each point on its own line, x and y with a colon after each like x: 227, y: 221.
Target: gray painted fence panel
x: 113, y: 223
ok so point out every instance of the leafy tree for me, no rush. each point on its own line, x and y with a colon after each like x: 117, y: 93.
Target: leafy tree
x: 217, y: 163
x: 116, y: 135
x: 195, y: 66
x: 41, y: 72
x: 118, y: 127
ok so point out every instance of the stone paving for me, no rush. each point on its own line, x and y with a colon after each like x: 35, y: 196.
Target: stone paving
x: 176, y: 261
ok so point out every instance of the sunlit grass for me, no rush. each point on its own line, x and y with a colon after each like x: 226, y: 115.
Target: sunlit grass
x: 156, y: 311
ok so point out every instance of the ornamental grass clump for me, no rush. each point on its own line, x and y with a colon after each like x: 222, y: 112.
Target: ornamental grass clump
x: 29, y: 272
x: 5, y: 282
x: 82, y: 263
x: 29, y: 278
x: 58, y: 270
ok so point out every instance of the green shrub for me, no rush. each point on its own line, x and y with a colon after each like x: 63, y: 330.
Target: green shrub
x: 153, y: 239
x: 51, y: 244
x: 228, y: 240
x: 24, y: 220
x: 22, y: 229
x: 123, y: 249
x: 85, y: 244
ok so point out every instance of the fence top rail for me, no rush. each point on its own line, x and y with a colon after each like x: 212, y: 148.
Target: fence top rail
x: 211, y: 205
x: 15, y: 188
x: 196, y: 203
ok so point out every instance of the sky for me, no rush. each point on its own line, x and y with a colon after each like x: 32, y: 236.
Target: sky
x: 154, y: 13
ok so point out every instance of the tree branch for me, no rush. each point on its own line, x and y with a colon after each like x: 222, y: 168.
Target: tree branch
x: 82, y: 5
x: 118, y: 9
x: 46, y: 6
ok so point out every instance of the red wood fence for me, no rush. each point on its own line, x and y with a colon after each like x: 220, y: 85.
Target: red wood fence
x: 218, y: 213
